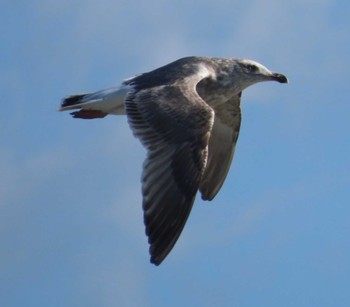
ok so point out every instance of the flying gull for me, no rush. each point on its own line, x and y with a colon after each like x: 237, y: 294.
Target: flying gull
x: 187, y: 115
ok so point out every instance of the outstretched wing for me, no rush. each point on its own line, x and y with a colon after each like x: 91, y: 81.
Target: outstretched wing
x: 222, y: 145
x: 174, y: 125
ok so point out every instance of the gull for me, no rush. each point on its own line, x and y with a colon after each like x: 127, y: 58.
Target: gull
x: 187, y: 115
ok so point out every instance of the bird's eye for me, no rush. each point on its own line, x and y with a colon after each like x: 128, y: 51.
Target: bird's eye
x: 252, y: 67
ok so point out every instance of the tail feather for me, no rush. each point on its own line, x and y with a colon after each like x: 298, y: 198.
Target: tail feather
x: 72, y: 100
x: 96, y: 105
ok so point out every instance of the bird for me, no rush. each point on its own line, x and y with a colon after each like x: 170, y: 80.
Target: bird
x: 187, y: 115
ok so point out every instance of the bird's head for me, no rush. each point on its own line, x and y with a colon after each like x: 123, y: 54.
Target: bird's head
x: 251, y: 72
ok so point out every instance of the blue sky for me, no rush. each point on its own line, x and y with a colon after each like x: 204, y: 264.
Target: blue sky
x: 71, y: 231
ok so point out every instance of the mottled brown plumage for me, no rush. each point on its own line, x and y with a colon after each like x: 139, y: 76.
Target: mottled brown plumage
x: 187, y: 115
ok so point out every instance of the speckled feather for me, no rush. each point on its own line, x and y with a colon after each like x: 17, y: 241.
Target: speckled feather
x: 187, y: 115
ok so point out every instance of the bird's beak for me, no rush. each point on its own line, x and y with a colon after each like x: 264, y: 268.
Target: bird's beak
x: 279, y: 77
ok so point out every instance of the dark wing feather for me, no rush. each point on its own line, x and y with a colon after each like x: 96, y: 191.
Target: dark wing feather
x: 174, y: 124
x: 222, y: 145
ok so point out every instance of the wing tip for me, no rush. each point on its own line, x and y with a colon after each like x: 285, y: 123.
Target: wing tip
x: 156, y: 261
x: 207, y: 192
